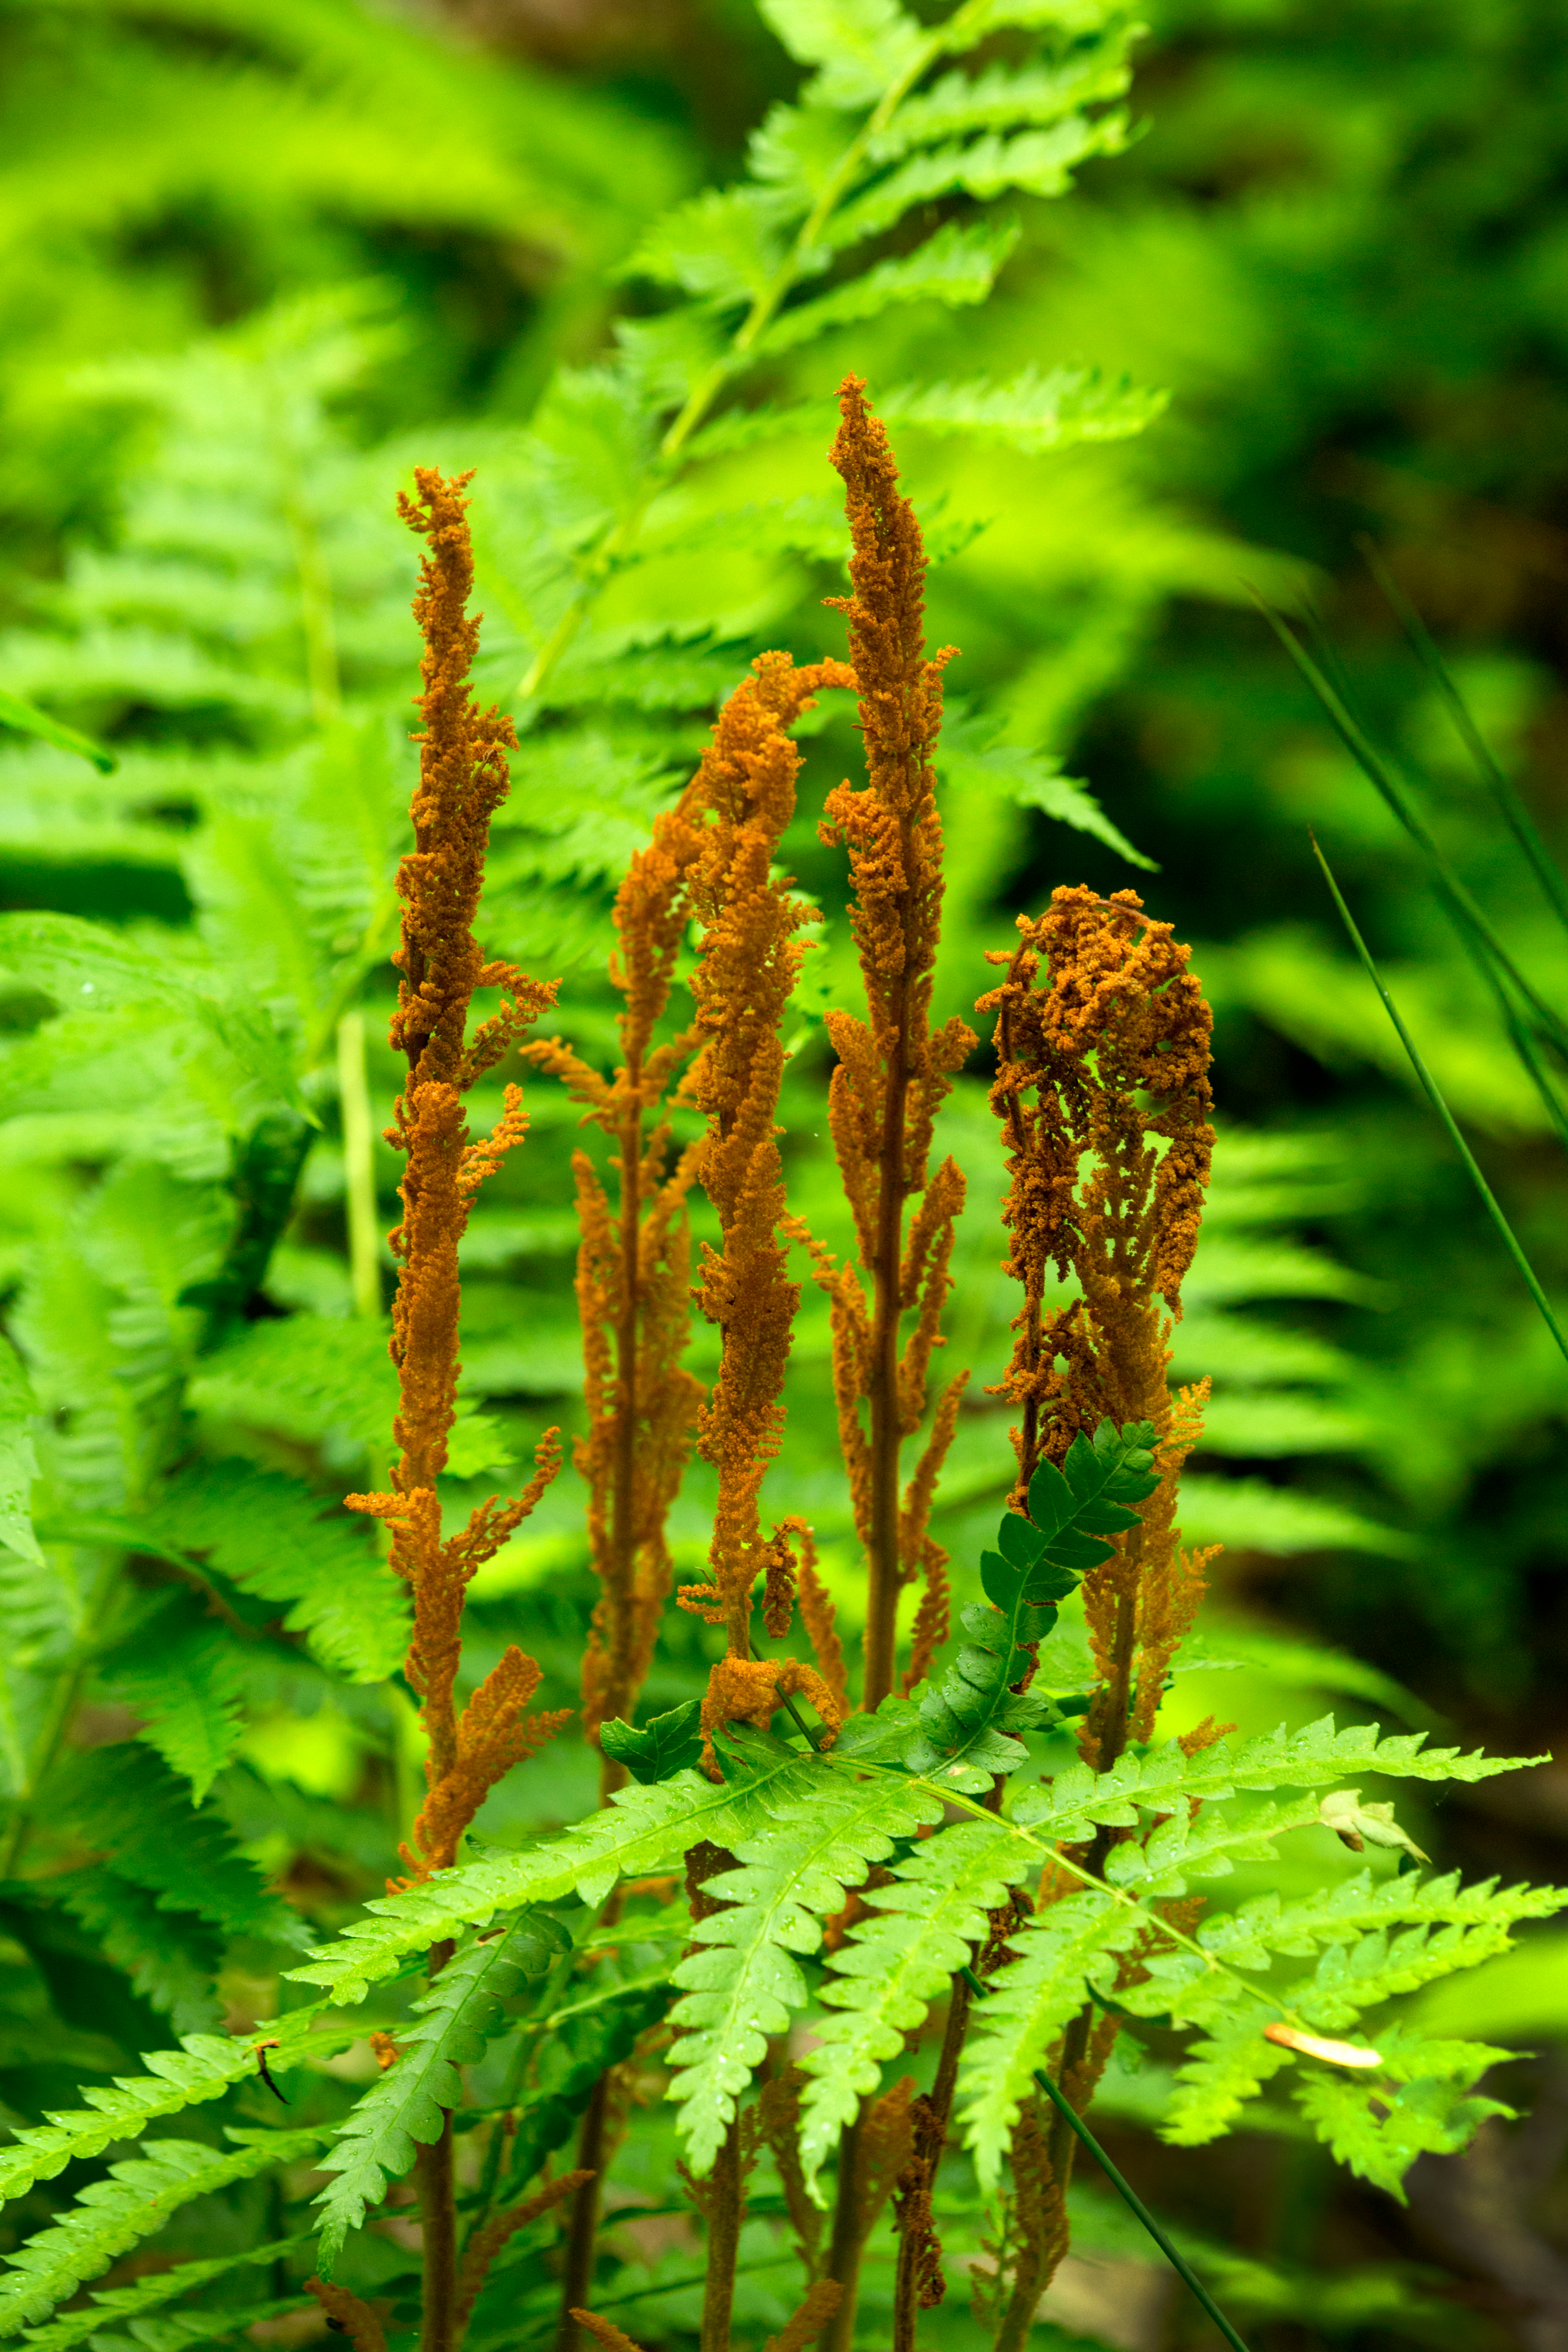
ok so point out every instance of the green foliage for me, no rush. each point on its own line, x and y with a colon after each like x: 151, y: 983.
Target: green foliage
x: 891, y: 1967
x: 197, y: 1385
x: 204, y: 2067
x: 28, y: 719
x: 132, y: 2202
x: 667, y: 1743
x: 739, y: 1990
x: 181, y: 2330
x: 642, y: 1828
x: 124, y: 1799
x: 461, y: 2011
x: 968, y: 1726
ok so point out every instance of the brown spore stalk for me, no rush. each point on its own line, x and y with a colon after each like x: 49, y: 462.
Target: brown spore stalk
x: 462, y: 779
x: 893, y: 1069
x: 743, y: 795
x: 1102, y: 1051
x: 1103, y: 1047
x: 634, y: 1281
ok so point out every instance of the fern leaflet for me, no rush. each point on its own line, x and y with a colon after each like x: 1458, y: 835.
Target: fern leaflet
x: 741, y: 1989
x: 640, y: 1828
x: 459, y: 2013
x: 893, y: 1966
x: 134, y: 2203
x: 134, y: 2305
x: 205, y: 2067
x: 1026, y: 2006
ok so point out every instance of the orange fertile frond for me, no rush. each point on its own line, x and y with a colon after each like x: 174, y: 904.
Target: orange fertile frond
x: 462, y: 779
x: 753, y: 1690
x: 633, y: 1280
x: 893, y: 1069
x: 743, y: 793
x: 605, y: 2332
x: 1102, y: 1052
x: 806, y: 2323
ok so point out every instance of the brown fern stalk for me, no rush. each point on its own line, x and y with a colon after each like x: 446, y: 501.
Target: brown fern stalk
x: 462, y: 779
x: 1102, y: 1049
x: 743, y: 796
x: 893, y: 1069
x: 635, y: 1306
x: 633, y: 1281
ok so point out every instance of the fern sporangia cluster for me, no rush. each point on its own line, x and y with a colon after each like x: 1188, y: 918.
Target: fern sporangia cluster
x: 893, y: 1070
x: 847, y: 1936
x: 462, y: 778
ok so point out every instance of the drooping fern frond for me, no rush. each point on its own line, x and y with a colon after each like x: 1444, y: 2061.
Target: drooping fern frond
x: 132, y: 2202
x: 180, y: 2332
x: 641, y: 1828
x: 126, y: 1799
x: 275, y: 1538
x: 204, y: 2067
x: 741, y: 1989
x: 893, y: 1966
x: 461, y: 2011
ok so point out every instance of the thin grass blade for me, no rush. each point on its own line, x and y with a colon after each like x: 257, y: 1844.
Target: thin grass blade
x: 1515, y: 814
x: 1463, y: 909
x: 1434, y: 1097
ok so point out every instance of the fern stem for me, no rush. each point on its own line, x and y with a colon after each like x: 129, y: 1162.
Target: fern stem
x: 726, y: 2211
x: 882, y: 1550
x: 1129, y: 2194
x: 849, y: 2239
x: 583, y: 2229
x: 438, y: 2230
x: 359, y: 1166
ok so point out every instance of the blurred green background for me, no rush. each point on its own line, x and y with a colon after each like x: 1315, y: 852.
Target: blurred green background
x: 235, y: 231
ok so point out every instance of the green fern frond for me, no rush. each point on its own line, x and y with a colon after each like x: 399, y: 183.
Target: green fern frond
x: 1034, y: 162
x: 1208, y: 1847
x: 461, y: 2011
x: 124, y: 1801
x: 859, y: 47
x: 132, y: 2203
x: 18, y: 1459
x: 891, y: 1967
x: 1078, y: 1801
x: 170, y: 1959
x: 134, y: 2306
x: 1251, y: 1935
x: 1060, y: 1950
x: 273, y: 1536
x: 966, y: 1728
x: 969, y: 755
x: 308, y: 1377
x: 204, y: 2067
x: 958, y: 264
x: 1003, y: 98
x: 1033, y: 410
x: 741, y: 1989
x: 1422, y: 2102
x: 641, y: 1828
x: 26, y: 718
x: 185, y: 1678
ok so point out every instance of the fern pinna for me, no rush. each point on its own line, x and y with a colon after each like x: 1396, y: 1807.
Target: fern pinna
x: 849, y: 1938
